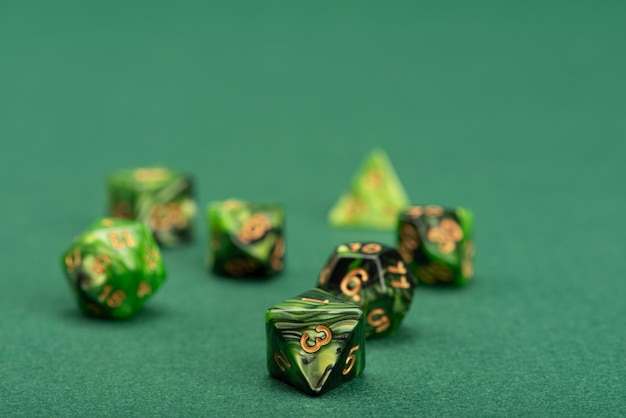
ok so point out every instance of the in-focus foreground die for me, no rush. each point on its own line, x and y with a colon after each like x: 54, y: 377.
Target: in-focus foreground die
x: 246, y: 239
x: 315, y: 341
x: 113, y: 268
x: 374, y: 277
x: 160, y: 198
x: 437, y: 244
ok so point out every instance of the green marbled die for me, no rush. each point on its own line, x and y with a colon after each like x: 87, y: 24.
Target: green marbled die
x: 315, y: 341
x: 246, y: 239
x: 113, y: 268
x: 374, y: 277
x: 437, y: 244
x: 160, y: 198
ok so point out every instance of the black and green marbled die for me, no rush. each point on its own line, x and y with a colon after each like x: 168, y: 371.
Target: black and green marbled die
x: 246, y: 239
x: 113, y: 268
x: 374, y: 277
x: 437, y: 244
x: 315, y: 341
x: 160, y: 198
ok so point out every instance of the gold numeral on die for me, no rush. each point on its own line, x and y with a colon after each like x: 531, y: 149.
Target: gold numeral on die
x: 400, y: 270
x: 325, y: 301
x: 113, y: 298
x: 73, y: 260
x: 254, y: 228
x: 351, y: 359
x: 319, y: 342
x: 150, y: 257
x: 371, y: 248
x: 100, y: 264
x: 281, y: 361
x: 121, y: 239
x: 144, y: 289
x: 353, y: 282
x: 378, y: 319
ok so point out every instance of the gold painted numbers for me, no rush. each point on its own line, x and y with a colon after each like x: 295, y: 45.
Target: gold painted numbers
x: 371, y: 248
x: 415, y: 211
x: 400, y: 270
x: 238, y: 267
x: 150, y: 257
x: 447, y: 234
x: 73, y: 260
x: 281, y: 361
x: 378, y: 319
x: 165, y: 217
x: 144, y: 289
x: 467, y: 266
x: 353, y: 282
x: 323, y: 276
x: 113, y: 298
x: 433, y: 210
x: 409, y: 241
x: 276, y: 260
x: 107, y: 222
x: 325, y: 301
x: 350, y: 359
x: 121, y: 239
x: 319, y: 342
x: 409, y: 237
x: 254, y: 228
x: 100, y: 264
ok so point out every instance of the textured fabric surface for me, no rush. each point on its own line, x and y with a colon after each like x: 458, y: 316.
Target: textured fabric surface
x: 514, y: 110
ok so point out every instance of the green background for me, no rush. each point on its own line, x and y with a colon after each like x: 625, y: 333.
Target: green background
x: 513, y: 109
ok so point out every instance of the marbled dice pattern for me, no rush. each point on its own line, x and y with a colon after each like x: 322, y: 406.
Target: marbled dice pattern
x: 437, y: 244
x: 246, y: 239
x: 160, y: 198
x: 113, y: 268
x: 374, y: 277
x: 315, y: 341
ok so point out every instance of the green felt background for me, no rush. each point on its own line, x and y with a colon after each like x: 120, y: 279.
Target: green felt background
x: 513, y: 109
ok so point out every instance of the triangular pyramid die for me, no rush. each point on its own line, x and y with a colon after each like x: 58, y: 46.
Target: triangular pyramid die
x: 375, y: 197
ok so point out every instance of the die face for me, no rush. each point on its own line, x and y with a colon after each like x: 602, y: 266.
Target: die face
x: 246, y: 238
x: 374, y: 277
x: 437, y: 244
x: 315, y: 341
x: 113, y: 268
x: 159, y: 198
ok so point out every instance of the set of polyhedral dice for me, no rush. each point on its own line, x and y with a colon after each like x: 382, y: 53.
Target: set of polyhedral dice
x: 316, y: 340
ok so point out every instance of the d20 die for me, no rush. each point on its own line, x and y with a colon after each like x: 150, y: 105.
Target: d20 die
x: 374, y: 277
x: 160, y: 198
x: 246, y: 238
x: 315, y: 341
x: 437, y: 244
x: 113, y: 268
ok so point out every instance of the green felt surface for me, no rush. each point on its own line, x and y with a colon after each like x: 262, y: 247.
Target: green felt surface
x: 515, y: 110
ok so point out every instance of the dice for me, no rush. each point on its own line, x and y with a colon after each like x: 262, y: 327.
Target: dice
x: 246, y: 238
x: 113, y: 268
x: 437, y: 244
x: 160, y: 198
x: 375, y: 197
x: 315, y: 341
x: 374, y: 277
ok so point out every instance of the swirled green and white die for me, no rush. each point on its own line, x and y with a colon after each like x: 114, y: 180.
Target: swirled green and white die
x: 113, y: 268
x: 159, y: 198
